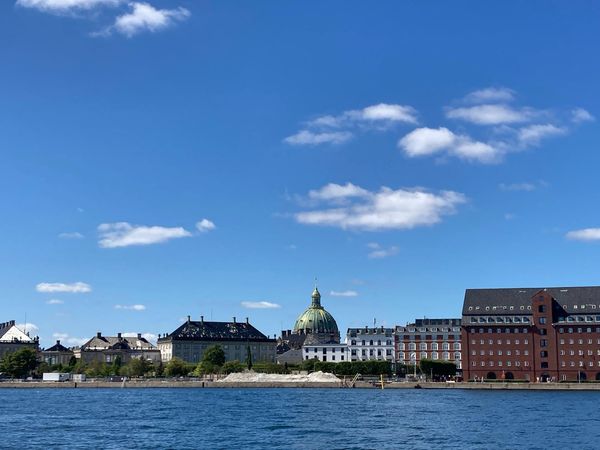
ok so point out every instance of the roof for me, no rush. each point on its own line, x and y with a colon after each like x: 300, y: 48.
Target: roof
x: 202, y: 330
x: 58, y: 347
x: 100, y: 342
x: 9, y: 332
x: 517, y: 301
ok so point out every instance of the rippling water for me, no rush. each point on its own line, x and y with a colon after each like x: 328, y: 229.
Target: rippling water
x: 297, y: 419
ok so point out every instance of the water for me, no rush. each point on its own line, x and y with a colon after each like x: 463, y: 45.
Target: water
x: 297, y: 419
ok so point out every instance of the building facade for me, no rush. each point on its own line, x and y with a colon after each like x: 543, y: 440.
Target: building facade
x: 326, y: 352
x: 192, y: 338
x: 436, y: 339
x: 550, y: 334
x: 57, y: 354
x: 13, y: 339
x: 376, y: 343
x: 109, y: 349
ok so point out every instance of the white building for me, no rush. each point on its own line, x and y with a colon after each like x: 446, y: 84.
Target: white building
x: 365, y: 344
x: 331, y: 352
x: 13, y: 339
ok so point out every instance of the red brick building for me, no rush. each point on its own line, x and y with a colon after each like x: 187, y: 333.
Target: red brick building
x: 532, y: 334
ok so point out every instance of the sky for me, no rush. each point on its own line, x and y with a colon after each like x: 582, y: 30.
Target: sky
x: 181, y: 157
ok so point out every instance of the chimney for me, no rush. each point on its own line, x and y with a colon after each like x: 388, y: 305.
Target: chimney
x: 58, y: 342
x: 202, y: 320
x: 139, y: 335
x: 247, y: 321
x: 189, y: 318
x: 234, y: 319
x: 98, y: 335
x: 118, y: 335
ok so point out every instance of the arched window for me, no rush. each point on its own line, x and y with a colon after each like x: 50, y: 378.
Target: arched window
x: 491, y: 376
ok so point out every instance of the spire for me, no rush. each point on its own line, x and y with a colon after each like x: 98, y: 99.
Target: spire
x: 316, y: 297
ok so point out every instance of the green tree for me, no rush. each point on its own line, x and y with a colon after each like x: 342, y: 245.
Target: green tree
x: 176, y: 368
x: 232, y: 366
x: 116, y: 365
x: 20, y: 363
x: 204, y: 368
x: 215, y: 355
x: 248, y: 357
x: 137, y: 367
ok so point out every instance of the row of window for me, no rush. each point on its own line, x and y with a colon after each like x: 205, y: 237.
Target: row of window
x: 371, y: 342
x: 424, y: 355
x: 500, y: 352
x: 432, y: 346
x: 579, y: 341
x: 499, y: 330
x: 580, y: 352
x: 499, y: 319
x: 426, y: 330
x: 388, y: 352
x: 500, y: 363
x: 579, y: 330
x: 499, y: 341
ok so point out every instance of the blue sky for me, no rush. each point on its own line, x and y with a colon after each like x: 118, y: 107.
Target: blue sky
x: 207, y: 157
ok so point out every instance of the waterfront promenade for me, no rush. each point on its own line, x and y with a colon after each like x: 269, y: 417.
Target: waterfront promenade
x: 141, y: 384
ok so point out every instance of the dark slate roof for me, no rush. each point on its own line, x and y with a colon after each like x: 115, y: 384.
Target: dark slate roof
x: 216, y: 331
x: 500, y: 301
x: 118, y: 343
x: 5, y: 326
x: 58, y: 347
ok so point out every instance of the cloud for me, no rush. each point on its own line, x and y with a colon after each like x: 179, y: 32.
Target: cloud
x: 491, y: 114
x: 525, y: 187
x: 334, y: 191
x: 430, y: 141
x: 150, y: 337
x: 67, y: 340
x: 54, y: 301
x: 65, y: 6
x: 586, y: 234
x: 339, y: 129
x: 30, y: 328
x: 509, y: 216
x: 386, y: 209
x: 145, y: 17
x: 71, y: 288
x: 260, y: 305
x: 533, y: 134
x: 72, y: 235
x: 490, y: 94
x: 348, y: 293
x: 378, y: 252
x: 123, y: 234
x: 306, y: 137
x: 579, y: 115
x: 136, y: 307
x: 205, y: 225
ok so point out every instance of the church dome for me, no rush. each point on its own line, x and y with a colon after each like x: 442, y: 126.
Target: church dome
x: 316, y: 319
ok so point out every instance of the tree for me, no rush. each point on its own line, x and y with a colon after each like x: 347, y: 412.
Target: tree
x: 176, y: 368
x: 116, y: 365
x: 204, y: 368
x: 214, y: 355
x: 137, y: 367
x: 248, y: 358
x: 20, y: 363
x: 232, y: 366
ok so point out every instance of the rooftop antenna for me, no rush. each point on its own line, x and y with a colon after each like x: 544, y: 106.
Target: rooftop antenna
x: 374, y: 322
x: 25, y: 326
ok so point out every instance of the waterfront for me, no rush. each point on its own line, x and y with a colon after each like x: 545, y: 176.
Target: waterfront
x: 297, y: 418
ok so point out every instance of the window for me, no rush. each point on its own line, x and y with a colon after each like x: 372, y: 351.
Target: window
x: 542, y: 308
x: 457, y: 346
x: 434, y: 355
x: 544, y: 365
x: 544, y: 354
x: 542, y: 321
x: 543, y: 343
x: 543, y: 331
x: 422, y: 346
x: 434, y: 346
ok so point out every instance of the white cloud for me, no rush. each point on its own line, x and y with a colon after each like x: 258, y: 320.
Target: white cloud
x: 64, y: 6
x: 533, y: 134
x: 379, y: 252
x: 509, y: 216
x: 145, y: 17
x: 491, y: 114
x: 490, y: 94
x: 260, y: 305
x: 517, y: 187
x: 205, y: 225
x: 136, y: 307
x: 379, y: 116
x: 71, y: 235
x: 430, y: 141
x: 151, y: 337
x: 54, y: 301
x: 123, y: 234
x: 586, y: 234
x: 579, y: 115
x: 306, y: 137
x: 386, y: 209
x: 334, y: 191
x: 30, y: 328
x: 348, y: 293
x: 72, y: 288
x: 69, y: 341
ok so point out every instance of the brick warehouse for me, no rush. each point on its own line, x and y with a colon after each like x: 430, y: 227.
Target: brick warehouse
x: 532, y: 334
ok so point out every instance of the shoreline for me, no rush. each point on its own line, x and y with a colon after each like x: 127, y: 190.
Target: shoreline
x: 170, y: 384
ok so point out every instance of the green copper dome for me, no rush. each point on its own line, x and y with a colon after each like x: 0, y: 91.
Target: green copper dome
x: 315, y: 319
